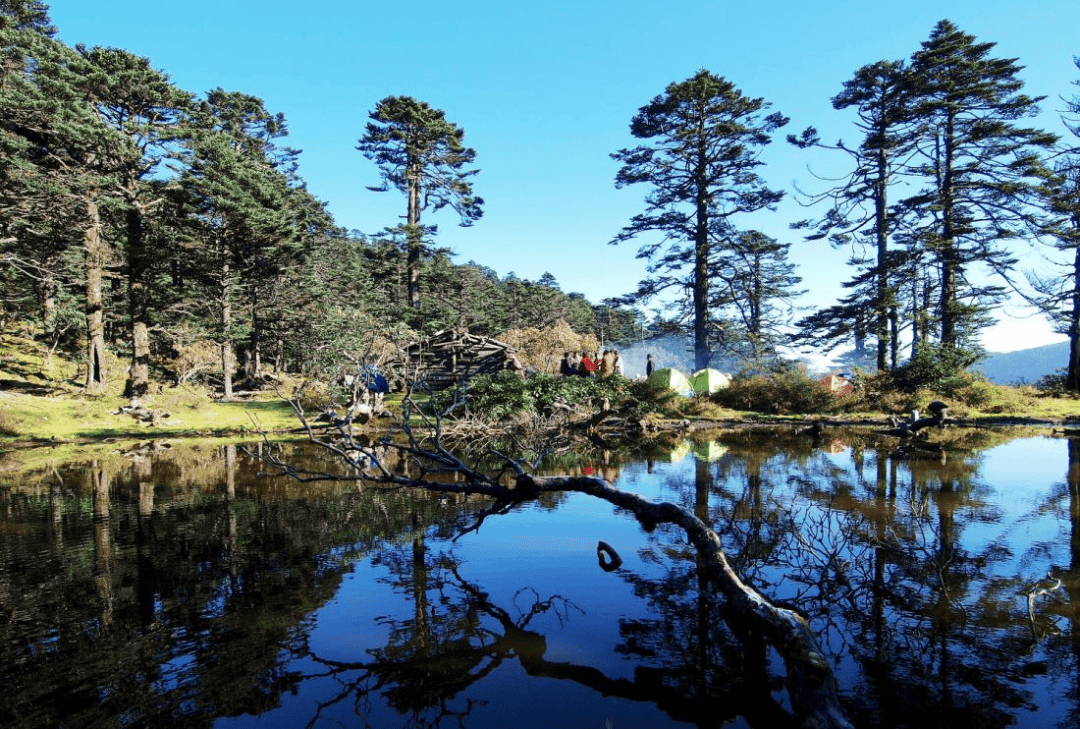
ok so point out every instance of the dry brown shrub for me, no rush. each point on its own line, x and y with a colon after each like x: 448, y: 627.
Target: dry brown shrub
x: 543, y: 349
x: 317, y: 396
x: 703, y: 407
x: 8, y: 425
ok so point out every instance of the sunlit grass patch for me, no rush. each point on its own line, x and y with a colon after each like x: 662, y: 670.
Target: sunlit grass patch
x: 28, y: 418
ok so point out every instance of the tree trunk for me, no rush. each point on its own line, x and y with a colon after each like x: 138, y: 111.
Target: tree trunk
x: 94, y: 263
x: 950, y: 266
x: 138, y: 381
x: 881, y: 233
x: 415, y: 239
x: 701, y: 268
x: 1072, y: 372
x: 894, y: 338
x: 49, y: 315
x: 253, y: 366
x: 226, y: 324
x: 279, y: 356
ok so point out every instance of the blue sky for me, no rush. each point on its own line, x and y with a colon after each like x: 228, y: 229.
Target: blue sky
x: 545, y: 92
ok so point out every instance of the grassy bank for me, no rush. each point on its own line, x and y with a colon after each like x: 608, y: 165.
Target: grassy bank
x: 41, y: 400
x: 72, y: 417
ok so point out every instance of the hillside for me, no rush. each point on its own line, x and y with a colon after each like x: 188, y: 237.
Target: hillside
x: 1025, y: 365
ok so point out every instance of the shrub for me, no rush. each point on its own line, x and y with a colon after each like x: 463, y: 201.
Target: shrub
x: 1054, y: 384
x: 317, y: 396
x: 782, y: 388
x: 504, y: 395
x: 703, y: 407
x: 542, y: 349
x: 941, y: 369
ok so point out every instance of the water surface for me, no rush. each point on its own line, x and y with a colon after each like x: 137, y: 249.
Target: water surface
x: 179, y: 585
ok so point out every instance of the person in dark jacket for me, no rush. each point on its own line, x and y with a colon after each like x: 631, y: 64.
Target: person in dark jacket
x: 648, y: 365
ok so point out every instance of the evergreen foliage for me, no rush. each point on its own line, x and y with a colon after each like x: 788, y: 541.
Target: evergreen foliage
x: 1058, y: 293
x: 700, y: 161
x: 948, y: 123
x: 859, y: 214
x: 135, y: 213
x: 422, y: 155
x: 981, y: 172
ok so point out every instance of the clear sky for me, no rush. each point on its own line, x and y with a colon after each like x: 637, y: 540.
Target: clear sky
x: 545, y: 92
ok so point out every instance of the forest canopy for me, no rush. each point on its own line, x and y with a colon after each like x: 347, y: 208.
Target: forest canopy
x: 171, y: 228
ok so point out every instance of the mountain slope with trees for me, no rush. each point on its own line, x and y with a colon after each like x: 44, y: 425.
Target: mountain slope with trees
x: 172, y: 228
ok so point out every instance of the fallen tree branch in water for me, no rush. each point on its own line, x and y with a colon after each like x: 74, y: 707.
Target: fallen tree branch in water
x: 1031, y: 603
x: 609, y: 559
x: 423, y: 462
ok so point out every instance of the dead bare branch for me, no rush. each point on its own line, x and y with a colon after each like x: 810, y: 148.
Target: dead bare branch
x: 811, y: 684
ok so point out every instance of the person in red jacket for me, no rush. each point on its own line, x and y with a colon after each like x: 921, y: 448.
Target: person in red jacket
x: 587, y: 366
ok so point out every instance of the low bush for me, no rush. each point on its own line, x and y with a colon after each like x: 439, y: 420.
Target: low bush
x: 504, y: 395
x: 780, y: 390
x: 1054, y: 385
x: 705, y: 408
x: 943, y: 370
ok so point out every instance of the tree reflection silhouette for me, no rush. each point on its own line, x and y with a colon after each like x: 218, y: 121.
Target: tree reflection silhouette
x: 692, y: 666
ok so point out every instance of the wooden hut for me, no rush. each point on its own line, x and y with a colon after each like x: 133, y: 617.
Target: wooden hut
x: 451, y: 357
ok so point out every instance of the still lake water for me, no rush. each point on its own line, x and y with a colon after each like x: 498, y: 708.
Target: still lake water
x: 177, y: 586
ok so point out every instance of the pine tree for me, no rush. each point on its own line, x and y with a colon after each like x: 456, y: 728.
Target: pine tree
x: 753, y: 281
x: 859, y: 211
x: 421, y: 154
x: 56, y: 160
x: 236, y: 184
x: 1058, y: 294
x: 703, y: 141
x: 28, y: 15
x: 981, y: 171
x: 148, y: 112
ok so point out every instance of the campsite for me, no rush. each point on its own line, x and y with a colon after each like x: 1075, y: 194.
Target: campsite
x: 542, y: 365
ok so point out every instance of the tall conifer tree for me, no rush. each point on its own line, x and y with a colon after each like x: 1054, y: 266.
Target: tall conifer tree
x: 148, y: 112
x: 859, y: 212
x: 981, y: 171
x: 423, y: 155
x: 700, y: 157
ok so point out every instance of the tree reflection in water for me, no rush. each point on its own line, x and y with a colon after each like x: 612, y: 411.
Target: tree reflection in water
x: 188, y: 590
x: 880, y: 567
x: 691, y: 667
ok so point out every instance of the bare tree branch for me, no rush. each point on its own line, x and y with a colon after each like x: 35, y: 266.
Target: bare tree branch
x: 811, y: 684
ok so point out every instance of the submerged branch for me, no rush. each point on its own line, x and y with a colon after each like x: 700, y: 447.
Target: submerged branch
x: 811, y: 684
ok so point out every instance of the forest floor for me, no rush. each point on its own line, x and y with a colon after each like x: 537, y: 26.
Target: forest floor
x: 42, y: 401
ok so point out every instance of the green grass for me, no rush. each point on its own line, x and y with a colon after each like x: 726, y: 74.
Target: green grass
x: 57, y: 411
x: 40, y: 402
x: 72, y: 417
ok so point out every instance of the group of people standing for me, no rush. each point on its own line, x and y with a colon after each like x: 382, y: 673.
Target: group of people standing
x: 602, y: 365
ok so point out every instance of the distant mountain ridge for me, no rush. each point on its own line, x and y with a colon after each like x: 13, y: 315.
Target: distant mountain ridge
x: 1025, y: 365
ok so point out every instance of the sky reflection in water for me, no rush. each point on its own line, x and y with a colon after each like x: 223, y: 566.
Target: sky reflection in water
x: 282, y: 605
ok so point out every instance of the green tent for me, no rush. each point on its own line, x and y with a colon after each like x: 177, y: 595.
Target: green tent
x: 708, y: 381
x: 680, y: 451
x: 671, y: 379
x: 710, y: 451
